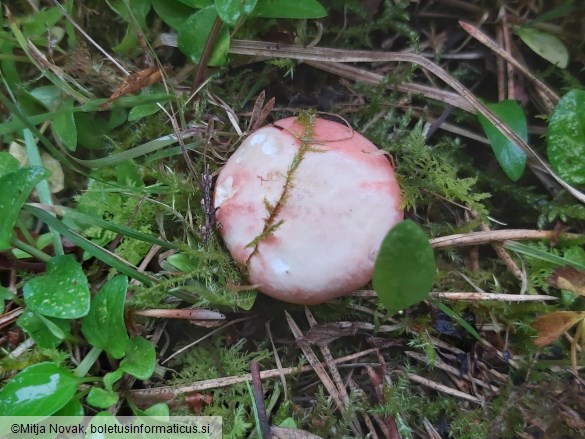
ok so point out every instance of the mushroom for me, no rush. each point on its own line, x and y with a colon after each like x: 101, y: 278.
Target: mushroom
x: 304, y: 204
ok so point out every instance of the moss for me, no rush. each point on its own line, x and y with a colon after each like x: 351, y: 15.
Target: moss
x: 215, y: 360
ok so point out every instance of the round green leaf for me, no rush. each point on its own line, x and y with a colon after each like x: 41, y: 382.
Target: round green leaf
x: 194, y: 33
x: 104, y: 326
x: 566, y: 138
x: 405, y: 267
x: 38, y: 390
x: 230, y: 11
x: 37, y: 328
x: 511, y: 158
x: 292, y: 9
x: 140, y: 358
x: 101, y: 398
x: 16, y: 187
x: 546, y: 45
x: 62, y: 292
x: 161, y: 410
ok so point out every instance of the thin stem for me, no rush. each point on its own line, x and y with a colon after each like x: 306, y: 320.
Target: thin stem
x: 209, y: 45
x: 88, y: 361
x: 33, y: 251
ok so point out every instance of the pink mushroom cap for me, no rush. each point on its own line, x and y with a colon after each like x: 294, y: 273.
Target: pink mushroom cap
x: 307, y: 216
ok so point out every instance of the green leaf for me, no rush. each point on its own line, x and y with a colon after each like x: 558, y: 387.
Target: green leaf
x: 64, y: 127
x: 62, y: 292
x: 546, y: 45
x: 566, y: 138
x: 294, y: 9
x: 460, y: 320
x: 39, y: 23
x: 140, y: 358
x: 5, y: 294
x: 194, y: 33
x: 101, y: 398
x: 37, y: 328
x: 8, y: 163
x: 111, y: 378
x: 72, y: 408
x: 160, y: 410
x: 95, y: 250
x: 511, y: 158
x: 230, y: 11
x: 48, y: 95
x: 141, y: 111
x: 91, y: 131
x: 197, y: 4
x: 16, y: 188
x: 405, y: 267
x: 136, y: 17
x: 38, y: 390
x: 173, y: 12
x: 542, y: 255
x: 104, y: 326
x: 78, y: 217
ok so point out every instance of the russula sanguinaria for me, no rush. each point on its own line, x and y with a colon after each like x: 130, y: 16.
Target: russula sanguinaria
x: 304, y: 204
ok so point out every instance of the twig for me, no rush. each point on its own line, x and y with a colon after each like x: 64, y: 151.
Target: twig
x: 475, y: 238
x: 493, y: 297
x: 452, y: 370
x: 472, y: 296
x: 314, y: 361
x: 185, y: 313
x: 259, y: 399
x: 199, y: 340
x: 170, y: 391
x: 445, y: 389
x: 551, y: 97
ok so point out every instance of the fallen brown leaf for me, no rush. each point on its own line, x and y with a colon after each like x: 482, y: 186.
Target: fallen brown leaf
x: 551, y: 326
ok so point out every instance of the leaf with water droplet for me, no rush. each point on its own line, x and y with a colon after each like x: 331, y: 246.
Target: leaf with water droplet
x: 230, y: 11
x: 62, y: 292
x: 104, y: 326
x: 566, y: 138
x: 16, y: 187
x: 38, y: 390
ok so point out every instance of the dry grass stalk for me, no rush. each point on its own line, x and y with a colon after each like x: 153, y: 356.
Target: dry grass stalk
x: 452, y: 370
x: 550, y: 97
x: 166, y: 392
x: 475, y: 238
x: 444, y: 389
x: 317, y: 365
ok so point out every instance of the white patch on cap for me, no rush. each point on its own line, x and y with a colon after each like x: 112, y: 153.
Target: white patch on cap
x: 224, y: 191
x: 279, y: 266
x: 270, y: 148
x: 257, y: 138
